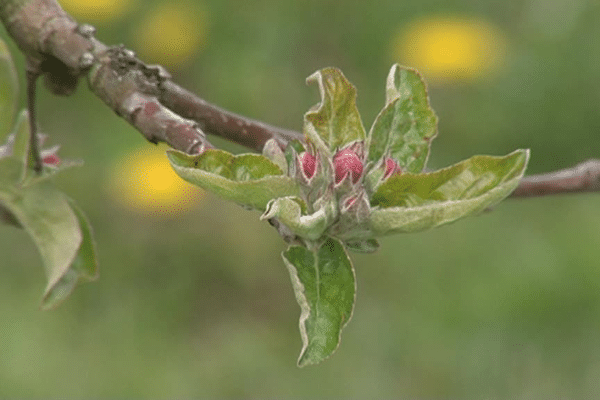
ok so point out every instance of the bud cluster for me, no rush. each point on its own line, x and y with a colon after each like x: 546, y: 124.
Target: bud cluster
x: 337, y: 180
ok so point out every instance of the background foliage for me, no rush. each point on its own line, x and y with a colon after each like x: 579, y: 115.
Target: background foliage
x: 193, y: 299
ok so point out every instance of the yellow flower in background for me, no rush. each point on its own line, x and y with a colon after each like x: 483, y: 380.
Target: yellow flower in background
x: 98, y: 11
x: 145, y: 182
x: 451, y: 49
x: 172, y: 33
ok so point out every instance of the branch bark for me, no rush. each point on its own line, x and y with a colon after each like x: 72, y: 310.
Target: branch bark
x: 162, y: 111
x: 582, y: 178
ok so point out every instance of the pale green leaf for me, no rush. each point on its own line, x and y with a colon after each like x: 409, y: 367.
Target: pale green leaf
x: 248, y: 179
x: 325, y: 286
x: 273, y: 152
x: 9, y: 91
x: 414, y: 202
x: 289, y: 211
x: 335, y: 121
x: 406, y: 126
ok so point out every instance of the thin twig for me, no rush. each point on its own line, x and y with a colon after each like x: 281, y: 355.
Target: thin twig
x: 583, y: 177
x: 32, y: 74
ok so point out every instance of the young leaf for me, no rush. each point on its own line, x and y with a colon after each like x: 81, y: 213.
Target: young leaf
x: 325, y: 287
x: 335, y: 121
x: 409, y: 202
x: 84, y: 267
x: 248, y: 179
x: 61, y: 235
x: 288, y: 210
x: 406, y: 126
x: 9, y: 89
x: 273, y: 152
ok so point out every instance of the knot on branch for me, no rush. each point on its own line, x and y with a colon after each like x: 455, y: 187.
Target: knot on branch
x: 124, y: 62
x: 132, y: 89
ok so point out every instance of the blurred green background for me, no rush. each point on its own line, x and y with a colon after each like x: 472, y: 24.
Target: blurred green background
x: 193, y: 299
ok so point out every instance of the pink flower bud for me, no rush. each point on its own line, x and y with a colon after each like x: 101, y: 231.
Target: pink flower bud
x: 51, y: 159
x: 391, y: 168
x: 347, y: 162
x: 308, y: 163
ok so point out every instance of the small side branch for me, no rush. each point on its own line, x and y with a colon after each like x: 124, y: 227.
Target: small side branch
x: 34, y: 150
x: 583, y: 177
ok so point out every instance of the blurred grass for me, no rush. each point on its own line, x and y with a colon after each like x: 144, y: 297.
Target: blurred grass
x: 199, y: 304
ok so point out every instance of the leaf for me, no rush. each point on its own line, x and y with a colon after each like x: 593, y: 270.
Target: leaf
x: 9, y: 91
x: 414, y: 202
x: 324, y: 283
x: 273, y: 152
x: 84, y: 267
x: 406, y: 126
x: 290, y: 211
x: 248, y: 179
x: 61, y: 234
x: 335, y: 121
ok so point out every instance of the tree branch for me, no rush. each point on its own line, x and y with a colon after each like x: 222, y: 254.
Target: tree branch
x: 162, y: 111
x: 583, y: 177
x: 217, y: 121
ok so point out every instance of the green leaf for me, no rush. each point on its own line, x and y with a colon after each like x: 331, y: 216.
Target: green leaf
x: 84, y: 267
x: 61, y: 234
x: 406, y: 126
x: 325, y: 287
x: 9, y: 91
x: 248, y: 179
x: 290, y: 212
x: 414, y: 202
x: 335, y: 121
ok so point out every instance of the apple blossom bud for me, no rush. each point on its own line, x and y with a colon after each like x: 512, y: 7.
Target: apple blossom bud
x: 51, y: 159
x: 391, y: 167
x: 347, y: 162
x: 308, y: 163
